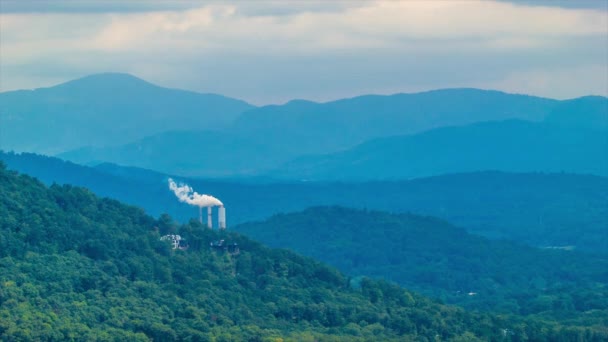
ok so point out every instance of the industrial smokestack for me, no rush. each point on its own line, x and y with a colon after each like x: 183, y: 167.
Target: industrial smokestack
x: 221, y: 217
x: 209, y: 218
x: 187, y: 195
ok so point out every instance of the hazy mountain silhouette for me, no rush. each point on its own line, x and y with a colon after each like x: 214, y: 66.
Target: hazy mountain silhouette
x: 263, y: 138
x: 187, y: 153
x: 121, y: 119
x: 588, y: 112
x: 322, y: 127
x: 105, y: 109
x: 512, y: 145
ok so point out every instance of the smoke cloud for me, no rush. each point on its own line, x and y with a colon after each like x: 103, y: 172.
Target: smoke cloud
x: 185, y: 194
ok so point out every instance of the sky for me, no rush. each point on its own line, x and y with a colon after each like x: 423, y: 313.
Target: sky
x: 274, y: 51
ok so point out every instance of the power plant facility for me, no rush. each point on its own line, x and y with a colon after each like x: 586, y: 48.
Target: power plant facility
x: 187, y: 195
x: 221, y: 216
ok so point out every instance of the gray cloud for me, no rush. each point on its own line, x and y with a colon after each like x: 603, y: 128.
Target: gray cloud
x: 254, y: 8
x: 590, y: 4
x: 268, y: 54
x: 257, y: 7
x: 92, y: 6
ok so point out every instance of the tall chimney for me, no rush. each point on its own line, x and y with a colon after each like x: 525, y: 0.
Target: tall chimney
x: 209, y: 218
x: 221, y: 217
x: 200, y: 215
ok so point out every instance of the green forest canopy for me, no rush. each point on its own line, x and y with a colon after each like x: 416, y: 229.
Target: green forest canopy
x: 435, y: 258
x: 76, y: 267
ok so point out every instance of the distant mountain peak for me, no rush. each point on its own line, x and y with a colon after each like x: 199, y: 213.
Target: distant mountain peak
x: 105, y: 80
x: 107, y: 109
x: 111, y: 75
x: 464, y: 91
x: 300, y: 102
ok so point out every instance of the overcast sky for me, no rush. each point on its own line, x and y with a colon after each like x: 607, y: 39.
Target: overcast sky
x: 273, y: 51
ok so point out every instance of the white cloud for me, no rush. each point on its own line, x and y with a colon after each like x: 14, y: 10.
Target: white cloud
x: 384, y: 23
x: 555, y: 82
x: 380, y: 42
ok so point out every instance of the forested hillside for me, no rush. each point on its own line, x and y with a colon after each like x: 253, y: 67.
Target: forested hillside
x: 535, y: 208
x: 76, y: 267
x: 440, y: 260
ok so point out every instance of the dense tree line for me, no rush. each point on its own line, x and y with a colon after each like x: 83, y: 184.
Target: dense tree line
x: 76, y: 267
x: 443, y: 261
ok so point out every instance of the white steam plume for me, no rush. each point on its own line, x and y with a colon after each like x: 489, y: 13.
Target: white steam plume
x: 185, y: 194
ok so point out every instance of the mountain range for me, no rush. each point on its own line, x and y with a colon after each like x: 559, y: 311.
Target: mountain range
x: 533, y: 208
x: 121, y: 119
x: 512, y: 146
x: 104, y: 110
x: 310, y: 127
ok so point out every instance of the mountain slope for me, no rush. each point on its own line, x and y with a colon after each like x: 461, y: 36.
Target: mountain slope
x: 533, y: 208
x: 511, y: 146
x: 78, y: 267
x: 265, y: 138
x: 187, y: 153
x: 324, y: 127
x: 589, y: 112
x: 438, y: 259
x: 105, y: 109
